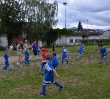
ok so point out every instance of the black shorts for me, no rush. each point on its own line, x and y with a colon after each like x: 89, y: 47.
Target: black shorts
x: 35, y: 52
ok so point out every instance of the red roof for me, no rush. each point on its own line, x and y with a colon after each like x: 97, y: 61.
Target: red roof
x: 15, y: 39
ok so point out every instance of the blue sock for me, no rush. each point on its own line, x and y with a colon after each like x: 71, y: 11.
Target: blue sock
x: 56, y: 83
x: 43, y: 89
x: 62, y: 61
x: 5, y: 67
x: 67, y: 62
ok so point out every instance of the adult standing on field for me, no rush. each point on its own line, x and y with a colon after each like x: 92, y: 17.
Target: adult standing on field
x: 34, y: 49
x: 19, y: 49
x: 53, y: 46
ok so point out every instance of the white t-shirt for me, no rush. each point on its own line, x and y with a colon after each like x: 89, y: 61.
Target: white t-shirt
x: 11, y: 47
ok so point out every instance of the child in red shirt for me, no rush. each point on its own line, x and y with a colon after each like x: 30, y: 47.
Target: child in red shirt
x: 44, y: 61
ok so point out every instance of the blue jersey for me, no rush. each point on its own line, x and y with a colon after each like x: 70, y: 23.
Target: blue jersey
x: 26, y: 53
x: 64, y: 53
x: 49, y: 75
x: 6, y: 58
x: 54, y: 60
x: 103, y: 51
x: 81, y: 48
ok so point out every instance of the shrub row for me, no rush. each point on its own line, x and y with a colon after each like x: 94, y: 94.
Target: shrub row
x: 93, y: 41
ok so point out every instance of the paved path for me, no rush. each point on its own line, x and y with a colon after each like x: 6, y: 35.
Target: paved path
x: 14, y: 59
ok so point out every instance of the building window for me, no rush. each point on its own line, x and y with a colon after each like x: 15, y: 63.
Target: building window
x: 77, y: 40
x: 71, y: 40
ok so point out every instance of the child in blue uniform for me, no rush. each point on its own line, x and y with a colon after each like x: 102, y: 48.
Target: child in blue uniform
x: 64, y: 55
x: 80, y: 50
x: 49, y: 76
x: 103, y: 52
x: 26, y: 53
x: 6, y: 59
x: 54, y: 60
x: 38, y: 50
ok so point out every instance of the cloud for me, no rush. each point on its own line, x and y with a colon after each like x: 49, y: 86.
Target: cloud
x: 97, y: 12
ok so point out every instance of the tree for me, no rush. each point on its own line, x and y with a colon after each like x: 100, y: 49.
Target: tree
x: 80, y: 26
x: 10, y: 19
x: 63, y: 33
x: 51, y: 36
x: 42, y: 14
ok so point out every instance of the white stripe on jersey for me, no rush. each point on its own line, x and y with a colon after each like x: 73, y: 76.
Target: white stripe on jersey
x: 46, y: 82
x: 65, y: 50
x: 47, y: 67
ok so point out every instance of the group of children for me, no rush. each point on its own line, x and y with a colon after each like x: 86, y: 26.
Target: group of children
x: 50, y: 61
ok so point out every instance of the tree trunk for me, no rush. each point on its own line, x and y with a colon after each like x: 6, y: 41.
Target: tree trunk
x: 9, y: 39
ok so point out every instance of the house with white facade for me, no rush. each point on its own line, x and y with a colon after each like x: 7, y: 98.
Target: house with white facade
x: 74, y: 39
x: 77, y: 36
x: 3, y: 41
x: 105, y: 35
x: 15, y: 40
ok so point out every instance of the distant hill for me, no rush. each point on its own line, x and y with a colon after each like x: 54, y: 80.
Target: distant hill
x: 100, y: 30
x: 97, y: 30
x: 73, y: 28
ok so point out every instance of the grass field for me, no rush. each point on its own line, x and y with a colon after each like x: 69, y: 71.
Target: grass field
x: 83, y: 78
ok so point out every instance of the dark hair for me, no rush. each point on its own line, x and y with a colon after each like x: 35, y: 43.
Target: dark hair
x: 54, y: 54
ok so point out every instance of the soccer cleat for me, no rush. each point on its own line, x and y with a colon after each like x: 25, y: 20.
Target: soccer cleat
x: 100, y: 63
x: 106, y: 63
x: 41, y: 95
x: 61, y: 88
x: 41, y: 72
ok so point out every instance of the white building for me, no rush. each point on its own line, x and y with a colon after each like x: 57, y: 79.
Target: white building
x: 105, y: 35
x: 3, y: 41
x: 76, y: 37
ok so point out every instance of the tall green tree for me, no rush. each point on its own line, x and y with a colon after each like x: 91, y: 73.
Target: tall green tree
x: 80, y: 26
x: 10, y: 19
x: 42, y: 13
x: 51, y: 36
x: 63, y: 33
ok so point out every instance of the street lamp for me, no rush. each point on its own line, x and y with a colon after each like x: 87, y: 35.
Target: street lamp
x: 64, y: 3
x: 87, y: 29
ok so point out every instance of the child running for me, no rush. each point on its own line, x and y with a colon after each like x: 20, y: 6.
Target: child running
x: 54, y: 60
x: 26, y: 53
x: 80, y: 50
x: 19, y: 49
x: 64, y: 55
x: 38, y: 50
x: 6, y: 59
x: 103, y: 52
x: 49, y: 76
x: 44, y: 52
x: 11, y: 49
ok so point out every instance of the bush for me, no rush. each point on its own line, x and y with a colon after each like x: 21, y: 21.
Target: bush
x: 2, y: 48
x: 92, y: 42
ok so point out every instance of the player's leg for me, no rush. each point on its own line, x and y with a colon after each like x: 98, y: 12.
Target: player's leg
x: 59, y: 85
x: 62, y: 61
x: 42, y: 66
x: 43, y: 93
x: 100, y: 60
x: 66, y: 60
x: 106, y: 60
x: 6, y: 66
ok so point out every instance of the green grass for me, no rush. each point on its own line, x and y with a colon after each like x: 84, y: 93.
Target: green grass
x: 83, y: 79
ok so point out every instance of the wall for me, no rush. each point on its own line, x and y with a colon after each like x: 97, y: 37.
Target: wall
x: 93, y: 37
x: 66, y: 40
x: 3, y: 41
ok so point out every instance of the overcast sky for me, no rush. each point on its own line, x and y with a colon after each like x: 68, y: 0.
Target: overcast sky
x: 97, y: 12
